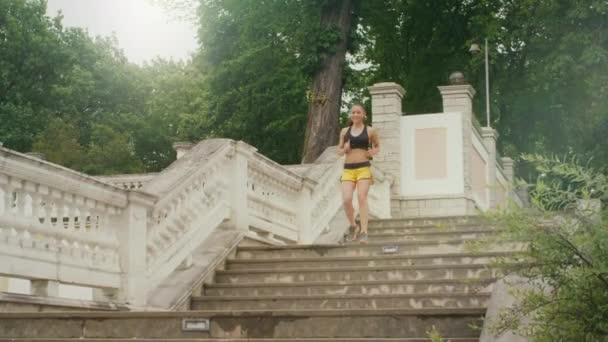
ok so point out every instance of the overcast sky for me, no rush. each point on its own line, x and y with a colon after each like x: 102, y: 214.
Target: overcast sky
x: 144, y: 30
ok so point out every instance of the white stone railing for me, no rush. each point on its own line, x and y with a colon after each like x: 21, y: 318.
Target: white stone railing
x: 67, y: 227
x: 273, y: 194
x: 58, y: 224
x: 186, y: 215
x: 327, y: 198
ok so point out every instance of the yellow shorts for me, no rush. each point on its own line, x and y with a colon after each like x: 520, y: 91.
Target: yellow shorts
x: 357, y: 174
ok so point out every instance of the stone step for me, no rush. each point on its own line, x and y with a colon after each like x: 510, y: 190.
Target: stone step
x: 350, y: 288
x: 316, y: 339
x: 437, y: 235
x: 312, y: 324
x: 407, y: 301
x: 356, y: 273
x: 429, y: 221
x: 378, y: 261
x: 370, y: 249
x: 428, y: 231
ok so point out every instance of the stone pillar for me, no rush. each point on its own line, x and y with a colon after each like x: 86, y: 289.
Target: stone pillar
x: 239, y: 214
x: 386, y: 111
x: 459, y: 98
x: 182, y: 148
x: 490, y: 136
x: 133, y: 237
x: 305, y: 234
x: 45, y: 288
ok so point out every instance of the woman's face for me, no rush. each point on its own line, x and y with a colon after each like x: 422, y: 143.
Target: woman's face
x: 357, y: 114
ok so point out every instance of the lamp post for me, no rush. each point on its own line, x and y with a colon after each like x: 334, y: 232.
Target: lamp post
x: 475, y: 49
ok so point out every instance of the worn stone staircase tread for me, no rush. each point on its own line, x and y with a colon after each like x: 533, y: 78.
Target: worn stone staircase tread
x: 370, y: 244
x: 245, y: 313
x: 211, y: 339
x: 364, y: 296
x: 354, y: 269
x: 439, y: 231
x: 474, y: 281
x: 469, y: 218
x: 430, y: 226
x: 370, y: 258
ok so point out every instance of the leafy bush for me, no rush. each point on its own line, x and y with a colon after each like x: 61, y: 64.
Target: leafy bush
x: 566, y: 259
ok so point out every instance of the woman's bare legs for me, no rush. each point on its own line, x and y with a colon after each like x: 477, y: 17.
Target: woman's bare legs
x: 347, y: 201
x: 362, y: 190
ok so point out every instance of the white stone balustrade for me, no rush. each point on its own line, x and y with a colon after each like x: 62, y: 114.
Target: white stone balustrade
x: 58, y: 224
x: 61, y: 226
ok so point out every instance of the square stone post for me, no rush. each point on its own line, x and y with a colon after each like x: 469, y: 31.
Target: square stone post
x: 305, y: 233
x: 237, y: 182
x: 490, y: 136
x: 459, y: 98
x: 133, y: 237
x: 386, y: 111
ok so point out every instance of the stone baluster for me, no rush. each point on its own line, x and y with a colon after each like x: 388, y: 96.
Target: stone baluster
x: 37, y: 202
x: 30, y: 199
x: 58, y: 208
x: 70, y: 212
x: 7, y: 194
x: 19, y: 199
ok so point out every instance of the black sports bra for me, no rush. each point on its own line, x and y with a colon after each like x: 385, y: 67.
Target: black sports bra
x: 361, y: 141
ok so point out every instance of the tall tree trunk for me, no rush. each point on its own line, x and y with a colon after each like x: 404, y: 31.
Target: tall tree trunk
x: 326, y: 91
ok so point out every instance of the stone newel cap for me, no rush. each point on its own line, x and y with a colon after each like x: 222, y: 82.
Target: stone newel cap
x: 386, y: 88
x: 456, y: 90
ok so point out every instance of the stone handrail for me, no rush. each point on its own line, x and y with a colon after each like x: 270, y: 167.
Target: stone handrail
x: 128, y: 182
x: 193, y: 201
x: 79, y: 229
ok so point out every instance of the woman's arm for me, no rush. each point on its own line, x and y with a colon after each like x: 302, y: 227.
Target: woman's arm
x: 341, y: 149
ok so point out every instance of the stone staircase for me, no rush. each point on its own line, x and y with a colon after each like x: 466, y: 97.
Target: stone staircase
x: 413, y: 275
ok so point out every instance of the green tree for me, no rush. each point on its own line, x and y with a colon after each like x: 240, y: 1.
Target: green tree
x: 60, y: 144
x: 566, y: 260
x: 110, y: 152
x: 32, y: 61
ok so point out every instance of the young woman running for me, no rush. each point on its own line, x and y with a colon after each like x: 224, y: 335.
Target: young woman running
x: 359, y: 143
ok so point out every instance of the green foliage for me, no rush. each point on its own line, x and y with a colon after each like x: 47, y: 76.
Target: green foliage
x: 59, y: 143
x: 563, y: 181
x: 548, y: 75
x: 566, y: 259
x: 257, y: 61
x: 249, y: 78
x: 434, y: 335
